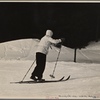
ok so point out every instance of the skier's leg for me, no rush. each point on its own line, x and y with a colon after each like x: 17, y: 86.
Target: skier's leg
x: 35, y: 71
x: 41, y: 64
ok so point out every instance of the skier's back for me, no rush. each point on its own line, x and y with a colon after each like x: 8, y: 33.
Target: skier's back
x: 46, y: 42
x: 41, y: 53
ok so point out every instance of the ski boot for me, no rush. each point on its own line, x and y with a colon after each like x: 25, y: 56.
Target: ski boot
x: 34, y: 78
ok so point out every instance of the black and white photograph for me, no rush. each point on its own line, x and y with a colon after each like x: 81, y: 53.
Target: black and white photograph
x: 49, y: 50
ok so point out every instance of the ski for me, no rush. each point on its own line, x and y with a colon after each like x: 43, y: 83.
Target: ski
x: 46, y: 81
x: 66, y: 78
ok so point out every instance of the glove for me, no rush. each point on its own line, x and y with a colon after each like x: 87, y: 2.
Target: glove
x: 62, y: 40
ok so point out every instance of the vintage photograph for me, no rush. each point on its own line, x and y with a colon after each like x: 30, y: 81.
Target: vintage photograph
x: 49, y: 50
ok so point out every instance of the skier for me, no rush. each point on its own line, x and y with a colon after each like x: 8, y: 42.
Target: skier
x: 42, y: 51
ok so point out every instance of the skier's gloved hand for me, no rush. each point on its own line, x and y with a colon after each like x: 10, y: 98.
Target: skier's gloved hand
x: 62, y: 40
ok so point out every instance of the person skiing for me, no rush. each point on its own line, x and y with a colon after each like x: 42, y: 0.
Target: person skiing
x: 42, y: 51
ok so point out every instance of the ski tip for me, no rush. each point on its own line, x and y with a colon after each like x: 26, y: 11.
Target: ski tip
x: 68, y: 77
x: 62, y: 78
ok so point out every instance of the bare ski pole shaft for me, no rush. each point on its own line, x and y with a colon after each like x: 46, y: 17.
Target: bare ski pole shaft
x: 28, y: 70
x: 55, y: 64
x: 56, y: 61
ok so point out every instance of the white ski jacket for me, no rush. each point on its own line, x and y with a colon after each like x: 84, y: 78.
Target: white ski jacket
x: 46, y: 41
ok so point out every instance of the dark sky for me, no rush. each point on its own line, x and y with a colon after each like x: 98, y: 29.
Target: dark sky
x: 79, y: 23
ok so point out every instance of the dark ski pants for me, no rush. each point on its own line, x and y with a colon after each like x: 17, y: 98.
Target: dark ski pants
x: 40, y: 65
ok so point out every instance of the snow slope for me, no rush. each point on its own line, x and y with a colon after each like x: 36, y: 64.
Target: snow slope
x: 17, y: 57
x: 25, y: 50
x: 17, y: 50
x: 83, y: 84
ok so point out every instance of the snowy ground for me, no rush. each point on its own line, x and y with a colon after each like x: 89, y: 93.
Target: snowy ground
x: 17, y: 57
x: 84, y: 81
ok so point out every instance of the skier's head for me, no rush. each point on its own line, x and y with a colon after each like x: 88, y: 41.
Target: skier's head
x: 49, y: 33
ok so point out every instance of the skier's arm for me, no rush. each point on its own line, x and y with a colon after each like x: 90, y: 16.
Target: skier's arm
x: 54, y: 41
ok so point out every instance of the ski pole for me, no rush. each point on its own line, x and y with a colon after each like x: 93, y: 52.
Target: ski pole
x: 28, y: 70
x: 52, y: 75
